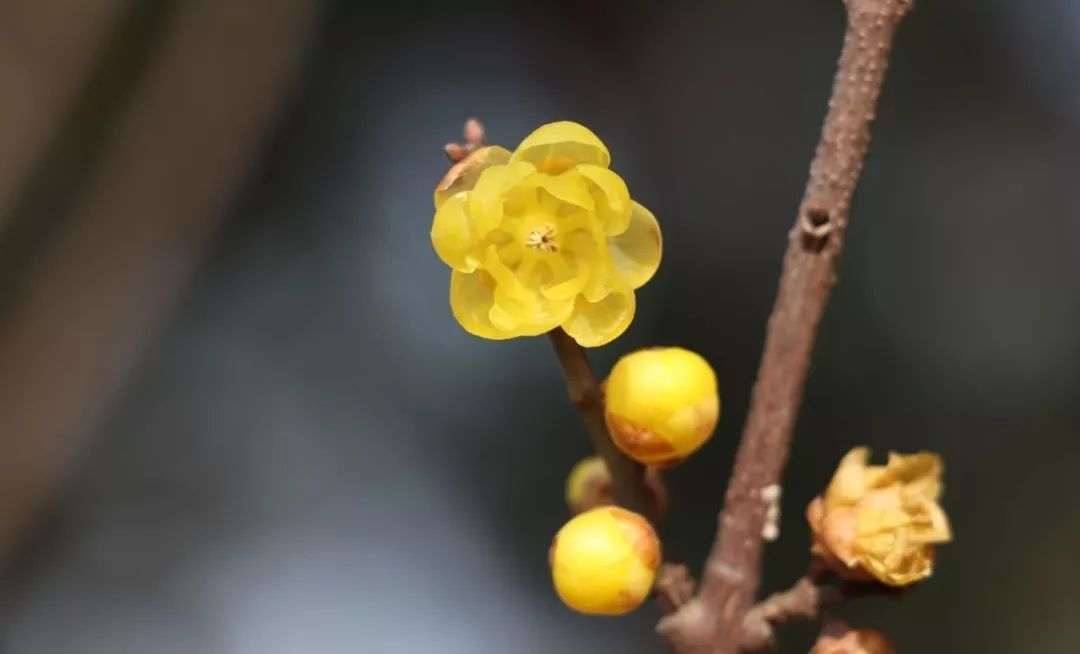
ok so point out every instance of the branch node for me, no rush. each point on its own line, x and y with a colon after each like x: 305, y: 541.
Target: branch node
x: 816, y: 223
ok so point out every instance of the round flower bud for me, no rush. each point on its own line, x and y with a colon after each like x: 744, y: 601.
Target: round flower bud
x: 604, y: 561
x: 839, y: 638
x: 661, y: 404
x: 589, y: 486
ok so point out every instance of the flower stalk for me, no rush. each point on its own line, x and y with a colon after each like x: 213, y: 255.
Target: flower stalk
x: 628, y: 481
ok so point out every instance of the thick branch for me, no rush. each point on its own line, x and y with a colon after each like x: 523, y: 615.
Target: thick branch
x: 712, y: 621
x: 627, y: 476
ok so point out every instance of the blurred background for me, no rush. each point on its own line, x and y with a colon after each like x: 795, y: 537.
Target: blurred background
x: 237, y: 416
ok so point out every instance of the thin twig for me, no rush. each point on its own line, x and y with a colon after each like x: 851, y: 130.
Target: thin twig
x: 674, y: 587
x: 712, y: 621
x: 803, y: 601
x: 628, y: 481
x: 807, y: 599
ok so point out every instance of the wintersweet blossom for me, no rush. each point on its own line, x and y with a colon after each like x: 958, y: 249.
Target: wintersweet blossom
x: 544, y: 237
x: 881, y: 522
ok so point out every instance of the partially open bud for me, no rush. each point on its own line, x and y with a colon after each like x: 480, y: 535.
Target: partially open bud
x: 842, y: 639
x: 589, y: 486
x: 661, y: 404
x: 881, y: 523
x: 604, y: 561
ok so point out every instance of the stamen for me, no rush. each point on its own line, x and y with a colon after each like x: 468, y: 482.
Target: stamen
x: 543, y: 239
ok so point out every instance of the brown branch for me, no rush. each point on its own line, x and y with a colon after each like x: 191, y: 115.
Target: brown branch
x: 674, y: 587
x: 628, y: 482
x: 712, y: 621
x: 807, y: 599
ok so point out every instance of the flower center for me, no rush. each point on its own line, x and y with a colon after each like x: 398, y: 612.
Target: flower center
x: 543, y: 239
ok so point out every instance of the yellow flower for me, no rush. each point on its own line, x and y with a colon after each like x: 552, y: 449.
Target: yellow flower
x: 661, y: 404
x: 881, y: 522
x: 604, y: 561
x: 544, y: 237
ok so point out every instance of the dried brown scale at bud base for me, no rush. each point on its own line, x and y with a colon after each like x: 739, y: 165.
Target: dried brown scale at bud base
x: 642, y: 443
x: 662, y: 405
x: 641, y: 536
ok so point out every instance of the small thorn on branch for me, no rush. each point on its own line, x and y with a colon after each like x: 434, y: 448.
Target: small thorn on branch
x: 807, y: 599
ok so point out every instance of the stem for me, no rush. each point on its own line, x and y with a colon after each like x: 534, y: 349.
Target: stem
x: 803, y: 601
x: 712, y: 621
x: 807, y: 599
x: 627, y: 476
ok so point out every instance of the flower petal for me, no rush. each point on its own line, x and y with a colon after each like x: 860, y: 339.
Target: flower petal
x: 556, y: 147
x: 569, y: 188
x: 636, y: 252
x: 848, y: 484
x: 452, y: 234
x: 567, y: 279
x: 920, y: 473
x: 463, y: 175
x: 486, y: 199
x: 611, y: 196
x: 472, y: 295
x: 519, y: 308
x: 507, y: 282
x: 529, y: 317
x: 597, y: 323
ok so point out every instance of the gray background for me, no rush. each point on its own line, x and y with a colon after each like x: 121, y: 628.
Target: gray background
x: 309, y: 455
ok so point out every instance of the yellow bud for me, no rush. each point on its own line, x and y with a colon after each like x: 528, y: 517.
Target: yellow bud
x: 604, y: 561
x: 661, y: 404
x: 589, y: 486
